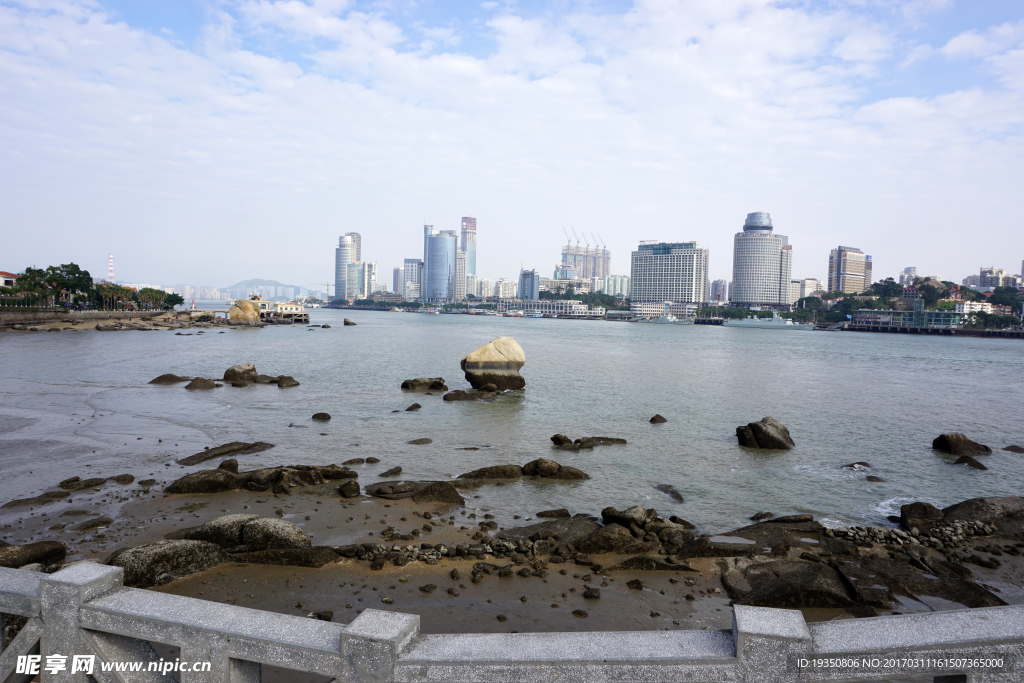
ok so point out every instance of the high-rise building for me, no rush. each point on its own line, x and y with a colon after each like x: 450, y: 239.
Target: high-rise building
x: 907, y: 275
x: 472, y: 285
x: 583, y: 263
x: 669, y: 271
x: 720, y: 291
x: 411, y: 274
x: 505, y: 288
x: 460, y: 276
x: 361, y: 280
x: 484, y: 288
x: 811, y: 286
x: 437, y: 283
x: 397, y: 280
x: 762, y: 264
x: 343, y: 256
x: 849, y: 271
x: 357, y: 242
x: 529, y: 285
x: 468, y: 244
x: 994, y: 277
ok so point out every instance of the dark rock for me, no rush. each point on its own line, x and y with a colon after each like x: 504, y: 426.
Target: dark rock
x: 273, y: 534
x: 1004, y: 513
x: 393, y: 472
x: 44, y: 552
x: 169, y: 379
x: 325, y: 327
x: 560, y: 513
x: 428, y: 588
x: 768, y: 433
x: 494, y: 472
x: 605, y: 540
x: 635, y: 584
x: 75, y: 483
x: 658, y: 419
x: 561, y: 440
x: 322, y: 417
x: 761, y: 516
x: 425, y: 384
x: 414, y: 406
x: 592, y: 593
x: 314, y: 557
x: 123, y: 479
x: 265, y: 379
x: 143, y: 564
x: 348, y: 323
x: 245, y: 372
x: 355, y: 461
x: 233, y: 448
x: 41, y: 499
x: 958, y: 444
x: 350, y: 489
x: 705, y: 547
x: 200, y: 383
x: 207, y: 481
x: 634, y: 515
x: 671, y: 492
x: 788, y: 584
x: 790, y: 519
x: 679, y: 521
x: 225, y: 531
x: 284, y: 381
x: 421, y: 442
x: 541, y: 467
x: 489, y: 388
x: 460, y: 395
x: 970, y: 462
x: 229, y: 465
x: 439, y: 492
x: 372, y: 461
x: 1014, y: 449
x: 147, y: 482
x: 567, y: 531
x: 650, y: 564
x: 877, y: 480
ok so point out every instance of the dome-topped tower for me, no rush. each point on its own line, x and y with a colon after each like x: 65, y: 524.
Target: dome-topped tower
x: 759, y: 221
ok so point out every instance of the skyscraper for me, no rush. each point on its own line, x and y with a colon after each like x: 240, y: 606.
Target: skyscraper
x: 529, y: 285
x: 437, y: 283
x: 460, y: 276
x: 357, y: 241
x: 762, y: 264
x: 583, y: 262
x: 469, y: 243
x: 849, y: 271
x: 669, y: 271
x: 362, y: 277
x: 484, y: 288
x: 720, y: 291
x: 343, y: 256
x: 397, y: 280
x: 411, y: 274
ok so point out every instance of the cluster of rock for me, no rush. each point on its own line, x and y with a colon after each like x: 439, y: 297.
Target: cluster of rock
x: 443, y: 492
x: 231, y: 538
x: 541, y: 467
x: 425, y: 384
x: 277, y: 479
x: 130, y: 325
x: 233, y: 448
x: 768, y: 433
x: 564, y: 443
x: 241, y: 375
x: 496, y: 363
x: 67, y: 486
x: 487, y: 393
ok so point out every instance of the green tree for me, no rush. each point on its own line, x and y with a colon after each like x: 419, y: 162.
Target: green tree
x: 887, y: 288
x: 930, y: 294
x: 172, y: 300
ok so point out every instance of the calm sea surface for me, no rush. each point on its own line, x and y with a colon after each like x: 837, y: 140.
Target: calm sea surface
x: 78, y: 403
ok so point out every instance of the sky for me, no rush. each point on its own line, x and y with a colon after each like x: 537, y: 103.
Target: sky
x: 212, y: 141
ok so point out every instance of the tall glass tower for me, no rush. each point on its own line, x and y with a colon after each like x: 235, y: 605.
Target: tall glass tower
x: 469, y: 243
x: 343, y: 255
x: 437, y: 283
x: 762, y: 264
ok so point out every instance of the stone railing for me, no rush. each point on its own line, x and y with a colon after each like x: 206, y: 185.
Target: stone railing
x: 85, y: 610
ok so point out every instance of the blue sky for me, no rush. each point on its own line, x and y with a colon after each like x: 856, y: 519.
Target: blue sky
x: 151, y: 129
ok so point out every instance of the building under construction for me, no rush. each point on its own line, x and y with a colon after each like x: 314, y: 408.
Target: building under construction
x: 583, y: 263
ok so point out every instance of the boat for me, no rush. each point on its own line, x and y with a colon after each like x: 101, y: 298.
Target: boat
x: 533, y: 314
x: 667, y: 318
x: 394, y: 310
x: 776, y: 322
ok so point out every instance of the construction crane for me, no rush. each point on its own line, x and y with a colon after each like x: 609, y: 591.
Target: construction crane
x: 326, y: 286
x: 602, y: 241
x: 576, y: 236
x: 585, y: 239
x: 567, y: 240
x: 596, y: 243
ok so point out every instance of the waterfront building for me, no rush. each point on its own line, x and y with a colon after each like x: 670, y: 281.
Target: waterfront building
x: 484, y: 288
x: 471, y: 285
x: 411, y: 273
x: 560, y: 307
x: 720, y: 291
x: 918, y: 317
x: 578, y: 285
x: 505, y: 288
x: 468, y: 244
x: 612, y: 285
x: 397, y: 280
x: 387, y: 298
x: 343, y: 256
x: 380, y: 287
x: 656, y: 309
x: 908, y: 275
x: 460, y: 275
x: 529, y: 285
x: 10, y: 279
x: 437, y: 282
x: 357, y: 245
x: 412, y: 291
x: 669, y: 271
x: 361, y: 279
x: 794, y: 291
x: 762, y: 264
x: 849, y: 271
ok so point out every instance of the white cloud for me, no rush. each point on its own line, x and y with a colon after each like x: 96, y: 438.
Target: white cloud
x: 670, y: 121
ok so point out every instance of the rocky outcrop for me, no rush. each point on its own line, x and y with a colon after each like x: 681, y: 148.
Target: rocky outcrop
x: 280, y: 479
x: 549, y: 469
x: 233, y: 448
x: 560, y: 513
x: 791, y: 584
x: 396, y: 490
x: 225, y: 531
x: 970, y: 462
x: 768, y: 433
x: 460, y: 395
x: 244, y: 313
x: 44, y: 552
x: 201, y: 383
x: 564, y: 531
x: 244, y: 372
x: 421, y: 442
x: 922, y: 516
x: 169, y: 379
x: 273, y: 534
x: 1014, y: 449
x: 670, y: 491
x: 439, y: 492
x: 285, y: 381
x: 497, y: 362
x: 495, y: 472
x: 1006, y: 514
x: 658, y: 419
x: 156, y: 563
x: 425, y: 384
x: 607, y: 539
x: 348, y: 323
x: 350, y: 489
x: 322, y: 417
x: 76, y: 483
x: 41, y: 499
x: 313, y: 557
x: 563, y: 443
x: 955, y: 443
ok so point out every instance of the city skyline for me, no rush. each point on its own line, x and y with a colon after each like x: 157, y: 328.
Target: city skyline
x: 632, y: 121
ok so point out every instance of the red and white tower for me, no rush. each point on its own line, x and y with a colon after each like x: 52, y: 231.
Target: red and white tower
x: 110, y: 267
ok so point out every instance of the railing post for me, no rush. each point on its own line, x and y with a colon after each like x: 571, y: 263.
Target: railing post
x: 767, y: 639
x: 371, y: 644
x: 60, y: 596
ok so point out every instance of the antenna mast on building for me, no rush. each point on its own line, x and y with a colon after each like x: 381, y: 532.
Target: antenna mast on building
x: 110, y: 267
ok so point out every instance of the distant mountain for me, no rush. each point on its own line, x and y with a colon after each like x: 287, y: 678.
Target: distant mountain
x: 256, y: 282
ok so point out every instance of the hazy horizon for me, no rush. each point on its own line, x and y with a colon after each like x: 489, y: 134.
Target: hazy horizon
x: 211, y: 141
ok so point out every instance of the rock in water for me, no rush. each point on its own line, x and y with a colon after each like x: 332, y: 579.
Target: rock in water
x: 658, y: 419
x: 284, y: 381
x: 495, y: 472
x: 169, y: 379
x: 425, y: 384
x: 958, y: 444
x: 244, y: 312
x: 348, y: 323
x: 970, y: 462
x: 768, y: 433
x: 322, y: 417
x: 244, y: 372
x: 923, y: 516
x: 498, y: 363
x: 439, y: 492
x: 670, y: 491
x: 1012, y: 449
x: 200, y: 383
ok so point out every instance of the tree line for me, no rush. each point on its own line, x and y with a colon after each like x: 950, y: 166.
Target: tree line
x: 70, y: 286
